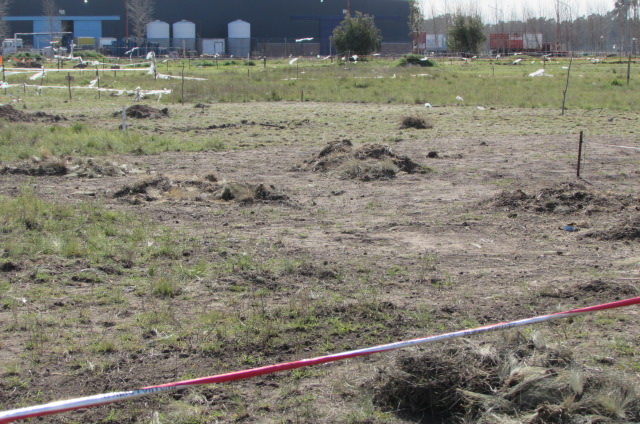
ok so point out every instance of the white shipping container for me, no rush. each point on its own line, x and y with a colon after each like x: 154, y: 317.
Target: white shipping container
x: 532, y: 41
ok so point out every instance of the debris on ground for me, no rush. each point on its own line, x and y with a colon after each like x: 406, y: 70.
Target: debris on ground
x: 367, y: 162
x: 207, y: 188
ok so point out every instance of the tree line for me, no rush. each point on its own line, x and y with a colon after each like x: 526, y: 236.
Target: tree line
x: 613, y: 32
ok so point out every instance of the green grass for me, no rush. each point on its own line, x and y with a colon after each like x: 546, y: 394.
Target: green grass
x: 29, y: 226
x: 481, y: 82
x: 24, y: 141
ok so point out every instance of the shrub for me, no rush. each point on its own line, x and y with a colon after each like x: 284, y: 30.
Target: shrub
x: 412, y: 59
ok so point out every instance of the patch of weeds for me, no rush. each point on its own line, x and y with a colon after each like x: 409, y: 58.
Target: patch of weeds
x: 165, y: 286
x: 368, y: 170
x: 396, y: 271
x: 103, y: 346
x: 416, y: 60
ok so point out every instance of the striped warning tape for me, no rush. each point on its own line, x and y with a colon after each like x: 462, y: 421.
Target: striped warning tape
x: 86, y: 402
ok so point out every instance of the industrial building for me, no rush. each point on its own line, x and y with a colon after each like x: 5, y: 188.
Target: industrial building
x: 267, y: 23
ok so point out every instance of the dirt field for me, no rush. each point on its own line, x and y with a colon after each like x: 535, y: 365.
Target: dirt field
x: 492, y: 226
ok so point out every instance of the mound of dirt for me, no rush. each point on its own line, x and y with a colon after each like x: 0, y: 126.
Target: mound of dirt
x: 45, y: 117
x: 415, y: 122
x: 626, y: 229
x: 38, y: 167
x: 208, y: 188
x: 594, y: 291
x: 521, y: 380
x: 11, y: 114
x: 566, y: 197
x: 80, y: 167
x: 370, y: 161
x: 28, y: 64
x: 144, y: 112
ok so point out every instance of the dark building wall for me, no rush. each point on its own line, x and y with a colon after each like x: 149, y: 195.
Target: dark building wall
x: 268, y: 19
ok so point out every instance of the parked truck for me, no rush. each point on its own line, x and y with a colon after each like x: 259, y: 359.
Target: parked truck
x: 11, y: 46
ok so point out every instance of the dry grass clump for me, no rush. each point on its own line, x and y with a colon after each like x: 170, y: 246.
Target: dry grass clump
x: 367, y: 170
x: 415, y: 122
x: 517, y: 382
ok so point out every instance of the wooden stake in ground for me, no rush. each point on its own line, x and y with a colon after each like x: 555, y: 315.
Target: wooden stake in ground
x: 579, y: 154
x: 182, y: 95
x: 69, y: 79
x: 124, y: 119
x: 629, y: 69
x: 566, y: 87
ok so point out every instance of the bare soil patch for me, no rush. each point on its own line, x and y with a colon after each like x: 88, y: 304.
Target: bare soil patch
x: 232, y: 276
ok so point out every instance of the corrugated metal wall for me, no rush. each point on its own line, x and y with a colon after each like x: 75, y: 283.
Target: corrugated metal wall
x: 269, y: 19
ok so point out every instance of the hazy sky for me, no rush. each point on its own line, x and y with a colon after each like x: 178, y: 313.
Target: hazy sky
x: 508, y: 9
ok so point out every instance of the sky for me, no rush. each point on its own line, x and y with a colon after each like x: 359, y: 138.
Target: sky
x: 508, y: 9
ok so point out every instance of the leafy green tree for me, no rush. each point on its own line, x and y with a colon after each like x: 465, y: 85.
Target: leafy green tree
x: 466, y: 35
x: 357, y: 35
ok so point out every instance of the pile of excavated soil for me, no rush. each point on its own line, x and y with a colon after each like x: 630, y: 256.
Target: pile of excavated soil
x: 208, y: 188
x: 367, y: 162
x: 35, y: 65
x: 625, y: 229
x: 415, y: 122
x: 46, y: 117
x: 525, y: 381
x: 11, y: 114
x: 566, y: 197
x: 145, y: 112
x: 80, y: 167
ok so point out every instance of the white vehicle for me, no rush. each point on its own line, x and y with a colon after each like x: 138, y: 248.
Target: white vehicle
x: 11, y: 45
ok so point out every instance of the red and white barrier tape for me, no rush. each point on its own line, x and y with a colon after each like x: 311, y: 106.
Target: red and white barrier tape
x: 86, y: 402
